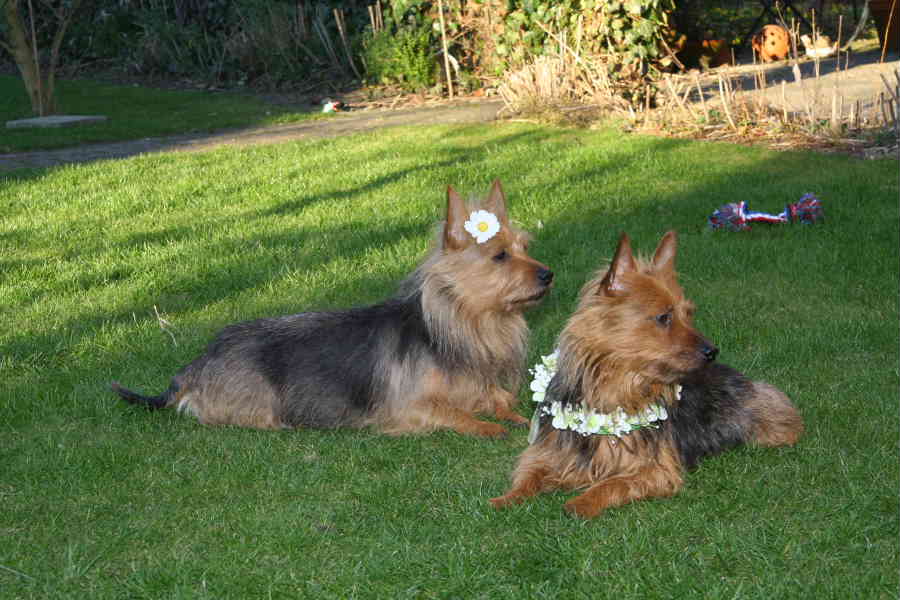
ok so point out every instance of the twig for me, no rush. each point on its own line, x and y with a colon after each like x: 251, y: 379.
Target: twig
x: 164, y: 325
x: 19, y: 573
x: 888, y: 86
x: 672, y: 54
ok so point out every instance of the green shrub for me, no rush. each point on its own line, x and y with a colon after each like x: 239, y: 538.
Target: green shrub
x: 404, y: 58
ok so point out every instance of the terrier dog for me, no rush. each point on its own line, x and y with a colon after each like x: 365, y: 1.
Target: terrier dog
x: 637, y: 397
x: 448, y: 345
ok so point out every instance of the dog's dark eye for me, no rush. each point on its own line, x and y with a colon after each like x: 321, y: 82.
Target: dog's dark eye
x: 501, y: 256
x: 665, y: 319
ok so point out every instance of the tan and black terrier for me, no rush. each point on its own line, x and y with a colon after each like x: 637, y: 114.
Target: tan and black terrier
x: 450, y: 344
x: 637, y: 397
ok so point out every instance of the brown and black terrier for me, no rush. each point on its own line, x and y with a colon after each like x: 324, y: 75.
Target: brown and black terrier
x: 448, y: 345
x: 637, y: 397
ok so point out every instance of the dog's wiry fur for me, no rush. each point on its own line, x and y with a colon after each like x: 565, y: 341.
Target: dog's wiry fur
x: 629, y: 344
x: 448, y: 345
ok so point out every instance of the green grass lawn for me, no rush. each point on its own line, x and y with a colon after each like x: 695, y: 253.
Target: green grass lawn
x: 133, y: 112
x: 101, y: 500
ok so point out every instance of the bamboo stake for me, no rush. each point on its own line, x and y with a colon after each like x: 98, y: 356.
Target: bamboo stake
x: 446, y: 54
x: 702, y: 97
x: 326, y: 42
x: 837, y: 48
x: 835, y: 120
x: 677, y: 97
x: 784, y: 102
x: 339, y: 19
x: 725, y: 104
x: 887, y: 29
x: 887, y: 86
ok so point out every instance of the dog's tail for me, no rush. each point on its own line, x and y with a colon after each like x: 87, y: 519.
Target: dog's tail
x: 148, y: 402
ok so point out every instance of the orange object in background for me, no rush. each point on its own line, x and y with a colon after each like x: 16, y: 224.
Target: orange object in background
x: 771, y: 43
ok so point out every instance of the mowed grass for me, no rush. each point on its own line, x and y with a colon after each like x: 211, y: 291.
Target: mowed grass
x: 132, y: 112
x: 102, y: 500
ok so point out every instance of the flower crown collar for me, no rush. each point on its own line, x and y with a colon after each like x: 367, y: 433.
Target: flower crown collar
x: 583, y: 419
x: 482, y: 225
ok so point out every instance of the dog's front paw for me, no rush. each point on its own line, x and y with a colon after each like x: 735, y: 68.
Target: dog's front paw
x: 490, y: 430
x: 515, y: 419
x: 506, y: 500
x: 586, y: 508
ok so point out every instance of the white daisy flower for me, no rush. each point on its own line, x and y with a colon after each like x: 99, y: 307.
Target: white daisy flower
x: 593, y: 423
x: 550, y: 361
x: 483, y: 225
x: 573, y: 419
x: 559, y: 417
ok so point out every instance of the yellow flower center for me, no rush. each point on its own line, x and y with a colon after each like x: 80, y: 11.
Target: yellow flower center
x: 482, y: 226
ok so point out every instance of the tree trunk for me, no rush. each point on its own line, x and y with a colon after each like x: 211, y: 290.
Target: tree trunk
x: 39, y: 84
x: 39, y: 89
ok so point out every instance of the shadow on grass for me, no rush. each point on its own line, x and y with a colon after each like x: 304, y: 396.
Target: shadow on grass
x: 575, y: 239
x: 199, y: 285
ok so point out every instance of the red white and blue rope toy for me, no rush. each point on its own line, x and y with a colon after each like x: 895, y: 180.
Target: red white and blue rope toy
x: 736, y: 217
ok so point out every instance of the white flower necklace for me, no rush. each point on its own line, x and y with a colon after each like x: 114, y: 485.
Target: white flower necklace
x: 582, y: 419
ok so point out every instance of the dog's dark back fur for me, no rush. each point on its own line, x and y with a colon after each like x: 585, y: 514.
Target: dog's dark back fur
x: 708, y: 419
x: 450, y: 343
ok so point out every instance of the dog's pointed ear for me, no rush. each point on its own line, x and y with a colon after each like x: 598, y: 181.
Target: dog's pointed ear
x: 455, y: 235
x: 664, y: 257
x: 622, y: 263
x: 496, y: 202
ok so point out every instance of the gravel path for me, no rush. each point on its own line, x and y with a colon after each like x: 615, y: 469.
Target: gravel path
x: 351, y: 122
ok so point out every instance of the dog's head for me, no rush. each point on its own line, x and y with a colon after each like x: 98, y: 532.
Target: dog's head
x: 636, y: 317
x: 483, y: 259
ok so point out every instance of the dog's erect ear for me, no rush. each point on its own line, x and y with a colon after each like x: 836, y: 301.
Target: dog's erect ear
x: 623, y: 262
x: 496, y: 202
x: 664, y: 257
x: 455, y: 235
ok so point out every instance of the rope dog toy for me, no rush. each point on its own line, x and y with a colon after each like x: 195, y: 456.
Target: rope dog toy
x: 735, y: 216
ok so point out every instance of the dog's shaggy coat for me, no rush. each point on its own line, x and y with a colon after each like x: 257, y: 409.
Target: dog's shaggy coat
x: 448, y: 345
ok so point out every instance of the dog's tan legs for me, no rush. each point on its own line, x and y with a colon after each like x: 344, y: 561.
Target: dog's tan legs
x: 531, y: 484
x: 463, y: 422
x: 503, y: 408
x: 432, y: 409
x: 649, y: 482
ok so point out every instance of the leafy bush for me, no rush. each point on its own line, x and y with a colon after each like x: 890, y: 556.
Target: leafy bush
x: 405, y: 58
x: 625, y: 35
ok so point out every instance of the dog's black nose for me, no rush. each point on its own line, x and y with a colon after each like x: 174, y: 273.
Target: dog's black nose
x: 709, y: 351
x: 545, y: 276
